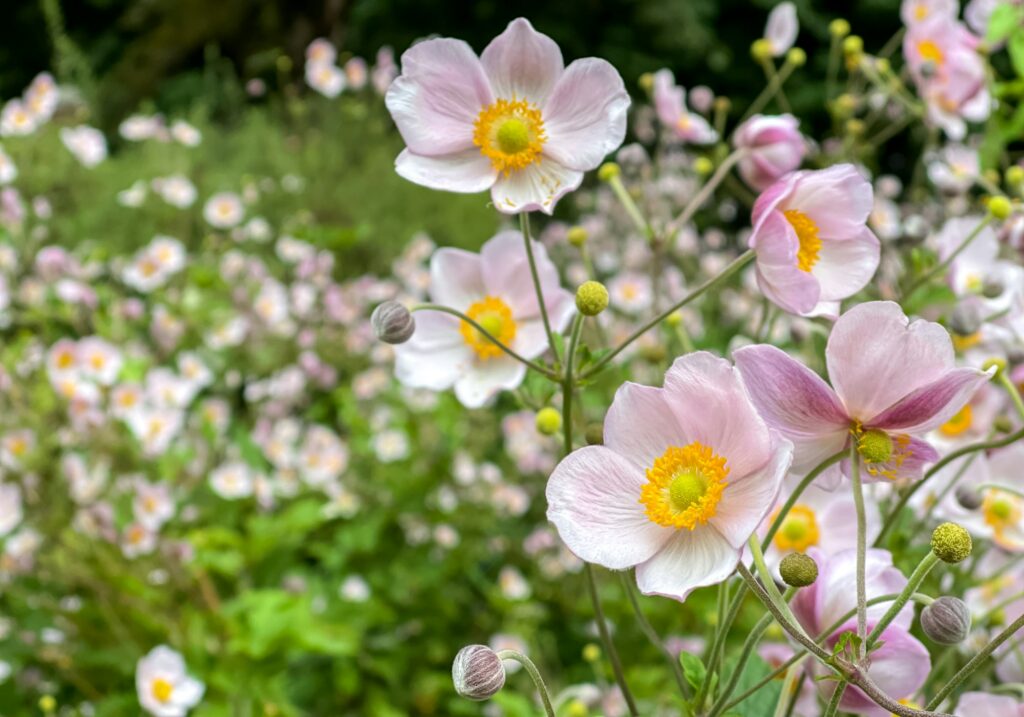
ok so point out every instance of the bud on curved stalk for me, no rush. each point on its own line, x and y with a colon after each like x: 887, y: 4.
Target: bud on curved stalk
x: 478, y: 672
x: 951, y: 543
x: 798, y: 570
x: 591, y: 298
x: 968, y: 498
x: 548, y: 421
x: 392, y: 323
x: 946, y: 621
x: 965, y: 320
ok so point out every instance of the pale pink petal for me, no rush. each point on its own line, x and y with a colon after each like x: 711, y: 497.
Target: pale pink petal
x: 981, y: 703
x: 778, y: 276
x: 506, y: 273
x: 466, y: 172
x: 876, y: 356
x: 594, y: 501
x: 537, y: 187
x: 838, y: 200
x: 455, y: 278
x: 531, y: 338
x: 436, y: 355
x: 640, y: 425
x: 669, y: 98
x: 708, y: 399
x: 438, y: 96
x: 522, y: 63
x: 689, y: 560
x: 899, y: 667
x: 929, y: 406
x: 585, y: 117
x: 782, y: 28
x: 747, y: 499
x: 486, y: 379
x: 846, y: 266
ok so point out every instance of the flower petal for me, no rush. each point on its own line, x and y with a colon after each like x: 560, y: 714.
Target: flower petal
x: 466, y: 172
x: 747, y: 499
x: 436, y: 355
x: 845, y: 266
x: 640, y: 425
x: 537, y: 187
x: 456, y: 279
x: 484, y: 380
x: 782, y: 28
x: 876, y: 356
x: 505, y: 268
x: 778, y: 276
x: 929, y: 406
x: 522, y: 63
x: 438, y: 96
x: 585, y: 117
x: 689, y: 560
x: 838, y: 200
x: 594, y: 501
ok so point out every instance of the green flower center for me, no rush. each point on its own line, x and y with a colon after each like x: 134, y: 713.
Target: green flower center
x: 513, y: 136
x: 875, y: 446
x: 686, y: 489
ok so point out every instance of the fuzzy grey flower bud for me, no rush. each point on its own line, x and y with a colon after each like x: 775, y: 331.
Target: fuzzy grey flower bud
x: 947, y: 621
x: 798, y: 570
x: 968, y: 498
x: 965, y: 319
x: 992, y: 288
x: 392, y: 322
x: 477, y: 672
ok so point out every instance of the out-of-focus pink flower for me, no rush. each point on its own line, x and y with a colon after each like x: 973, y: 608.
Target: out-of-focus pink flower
x: 914, y: 12
x: 812, y: 241
x: 774, y: 147
x: 782, y: 28
x: 981, y: 703
x: 515, y: 120
x: 670, y: 104
x: 686, y: 474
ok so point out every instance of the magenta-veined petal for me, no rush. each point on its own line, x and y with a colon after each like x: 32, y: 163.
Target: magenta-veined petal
x: 522, y: 63
x: 456, y: 280
x: 537, y: 187
x: 747, y: 499
x: 640, y: 425
x: 465, y: 172
x: 929, y: 406
x: 585, y: 117
x: 689, y: 560
x: 594, y: 501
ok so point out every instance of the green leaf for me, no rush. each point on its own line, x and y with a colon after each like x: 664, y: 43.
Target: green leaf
x: 761, y: 702
x: 693, y: 668
x: 1016, y: 49
x: 1003, y: 21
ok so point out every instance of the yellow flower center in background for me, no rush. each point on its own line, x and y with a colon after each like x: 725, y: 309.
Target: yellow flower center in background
x: 962, y: 343
x: 958, y: 423
x: 684, y: 486
x: 929, y: 52
x: 495, y: 317
x: 807, y: 233
x: 510, y: 133
x: 1000, y: 509
x: 162, y: 689
x: 799, y: 531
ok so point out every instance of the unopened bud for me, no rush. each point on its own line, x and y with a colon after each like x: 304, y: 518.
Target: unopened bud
x: 946, y: 621
x: 674, y: 319
x: 992, y: 288
x: 1015, y: 175
x: 839, y: 28
x: 703, y: 166
x: 951, y: 543
x: 548, y: 421
x: 855, y: 127
x: 796, y: 57
x: 853, y: 45
x: 577, y: 236
x: 798, y: 570
x: 968, y: 498
x: 477, y: 672
x: 883, y: 66
x: 965, y: 319
x: 591, y: 298
x: 999, y: 207
x: 608, y: 171
x: 392, y: 323
x: 998, y: 364
x: 722, y: 104
x: 846, y: 104
x: 646, y: 82
x: 594, y: 434
x: 591, y: 652
x: 761, y: 50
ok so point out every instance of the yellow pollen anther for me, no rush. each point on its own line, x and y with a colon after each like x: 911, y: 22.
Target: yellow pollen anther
x: 162, y: 689
x: 495, y: 316
x: 799, y: 531
x: 807, y: 233
x: 684, y: 486
x: 510, y: 133
x: 958, y: 423
x: 929, y: 52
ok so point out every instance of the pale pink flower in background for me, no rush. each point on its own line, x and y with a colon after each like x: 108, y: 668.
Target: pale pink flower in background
x: 176, y: 189
x: 224, y: 210
x: 631, y: 292
x: 670, y: 104
x: 982, y: 703
x: 901, y: 664
x: 137, y: 539
x: 185, y: 133
x: 137, y: 128
x: 326, y: 78
x: 163, y: 685
x: 152, y: 505
x: 100, y: 360
x: 515, y: 120
x: 773, y: 148
x: 913, y: 12
x: 384, y: 70
x: 11, y: 511
x: 812, y: 241
x: 16, y: 120
x: 87, y: 144
x: 686, y: 474
x: 782, y: 28
x: 955, y: 169
x: 1000, y: 518
x: 321, y: 51
x: 356, y: 73
x: 894, y: 379
x: 494, y: 289
x: 15, y: 446
x: 232, y: 480
x: 978, y: 267
x: 8, y: 170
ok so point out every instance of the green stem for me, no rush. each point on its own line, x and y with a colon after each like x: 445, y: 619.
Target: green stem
x: 524, y: 225
x: 916, y: 578
x: 705, y: 192
x: 769, y: 91
x: 630, y: 206
x: 652, y: 635
x: 483, y: 332
x: 737, y: 264
x: 769, y: 582
x: 606, y: 639
x: 718, y: 642
x: 770, y: 74
x: 1007, y: 383
x: 535, y: 675
x: 833, y: 704
x: 862, y: 549
x: 568, y: 383
x: 942, y: 265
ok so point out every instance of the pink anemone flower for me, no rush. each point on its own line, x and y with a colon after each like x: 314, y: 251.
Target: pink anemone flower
x: 774, y: 148
x: 686, y: 474
x: 812, y: 241
x: 982, y: 703
x: 670, y: 104
x: 893, y: 379
x: 515, y: 120
x: 494, y: 289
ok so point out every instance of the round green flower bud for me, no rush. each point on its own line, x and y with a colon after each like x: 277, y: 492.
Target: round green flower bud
x: 703, y: 166
x: 646, y: 82
x: 798, y: 570
x: 608, y: 171
x: 548, y: 421
x: 591, y: 652
x: 999, y: 207
x: 946, y: 621
x: 796, y: 57
x: 839, y: 27
x: 577, y: 236
x: 875, y: 446
x: 392, y: 323
x: 591, y: 298
x: 951, y: 543
x: 994, y: 363
x: 722, y: 104
x: 594, y: 434
x: 882, y: 65
x: 577, y: 708
x: 477, y: 672
x: 674, y: 319
x: 1015, y: 175
x: 853, y: 45
x: 1002, y: 424
x: 855, y: 127
x: 761, y: 50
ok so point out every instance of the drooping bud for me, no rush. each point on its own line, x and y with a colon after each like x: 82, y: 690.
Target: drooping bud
x: 798, y: 570
x: 591, y: 298
x: 577, y: 236
x: 968, y: 498
x: 951, y: 543
x: 965, y: 319
x: 875, y: 446
x: 548, y: 421
x: 478, y: 672
x: 392, y: 323
x: 947, y: 621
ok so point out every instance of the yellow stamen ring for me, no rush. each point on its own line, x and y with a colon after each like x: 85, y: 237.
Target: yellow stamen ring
x: 684, y: 486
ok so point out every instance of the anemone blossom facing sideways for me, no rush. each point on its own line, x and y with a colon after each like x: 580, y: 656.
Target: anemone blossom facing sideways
x: 515, y: 120
x: 494, y: 289
x: 893, y: 380
x: 686, y: 474
x: 670, y: 104
x: 812, y: 241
